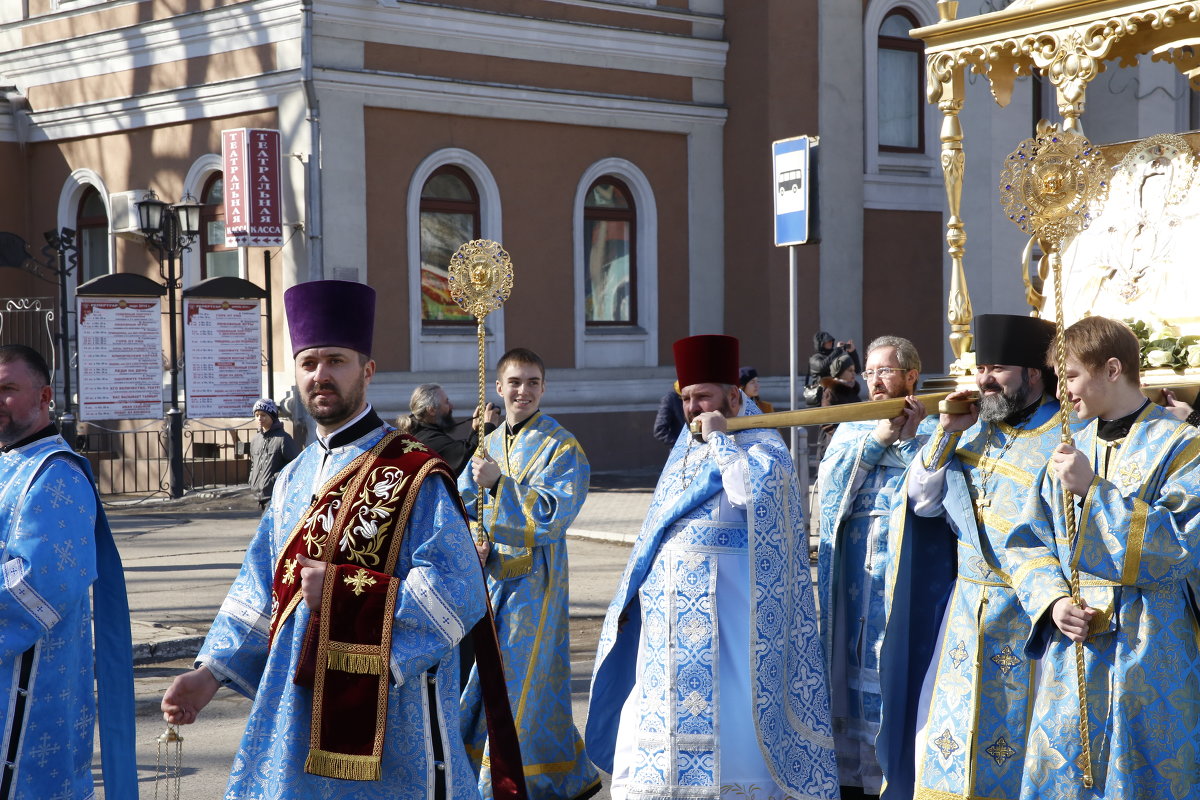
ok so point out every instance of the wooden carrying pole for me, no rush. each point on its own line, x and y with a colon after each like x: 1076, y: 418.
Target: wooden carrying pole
x: 849, y: 412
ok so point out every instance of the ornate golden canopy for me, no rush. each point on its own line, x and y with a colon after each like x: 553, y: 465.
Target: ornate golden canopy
x: 1069, y: 42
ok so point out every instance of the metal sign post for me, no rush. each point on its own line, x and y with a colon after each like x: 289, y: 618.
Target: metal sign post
x: 794, y: 170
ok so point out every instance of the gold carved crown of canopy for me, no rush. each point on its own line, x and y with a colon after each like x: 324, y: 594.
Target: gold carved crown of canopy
x: 1069, y: 41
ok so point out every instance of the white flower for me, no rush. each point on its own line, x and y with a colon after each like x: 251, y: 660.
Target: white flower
x: 1165, y: 331
x: 1158, y: 358
x: 1193, y: 355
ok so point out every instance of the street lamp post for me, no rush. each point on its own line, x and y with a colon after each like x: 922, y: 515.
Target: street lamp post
x: 62, y: 244
x: 170, y: 230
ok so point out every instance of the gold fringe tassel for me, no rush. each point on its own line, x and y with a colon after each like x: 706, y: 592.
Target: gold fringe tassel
x: 341, y: 765
x: 516, y: 566
x: 358, y: 663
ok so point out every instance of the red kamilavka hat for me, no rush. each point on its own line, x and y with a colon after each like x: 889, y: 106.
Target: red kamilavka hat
x: 708, y: 358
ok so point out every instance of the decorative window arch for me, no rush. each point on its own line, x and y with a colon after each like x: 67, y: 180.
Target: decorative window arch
x: 83, y: 206
x: 437, y: 345
x: 616, y: 266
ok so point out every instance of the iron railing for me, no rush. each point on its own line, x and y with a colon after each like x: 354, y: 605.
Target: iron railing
x: 129, y: 462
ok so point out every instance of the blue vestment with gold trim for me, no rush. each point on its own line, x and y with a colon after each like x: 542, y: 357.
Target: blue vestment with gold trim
x: 956, y: 698
x: 543, y: 483
x: 441, y: 598
x: 1138, y: 545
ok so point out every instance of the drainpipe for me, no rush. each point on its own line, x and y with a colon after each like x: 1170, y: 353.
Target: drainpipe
x: 312, y: 187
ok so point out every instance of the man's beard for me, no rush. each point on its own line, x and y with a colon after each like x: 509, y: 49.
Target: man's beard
x: 725, y: 409
x: 13, y: 430
x: 1002, y: 405
x: 446, y: 422
x: 340, y: 407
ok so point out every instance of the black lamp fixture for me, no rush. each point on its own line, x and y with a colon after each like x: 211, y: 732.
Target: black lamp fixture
x: 170, y: 230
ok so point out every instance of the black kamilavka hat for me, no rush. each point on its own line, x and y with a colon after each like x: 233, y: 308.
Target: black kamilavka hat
x: 1013, y: 340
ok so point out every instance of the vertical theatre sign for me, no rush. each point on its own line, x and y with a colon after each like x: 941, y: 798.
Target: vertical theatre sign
x: 250, y: 159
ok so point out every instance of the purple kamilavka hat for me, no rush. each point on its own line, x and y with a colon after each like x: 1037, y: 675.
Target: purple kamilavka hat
x: 330, y: 314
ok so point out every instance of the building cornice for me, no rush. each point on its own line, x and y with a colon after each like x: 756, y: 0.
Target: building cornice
x: 496, y: 101
x: 480, y: 33
x: 197, y: 34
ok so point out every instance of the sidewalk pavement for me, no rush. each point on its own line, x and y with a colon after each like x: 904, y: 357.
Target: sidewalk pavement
x: 180, y: 556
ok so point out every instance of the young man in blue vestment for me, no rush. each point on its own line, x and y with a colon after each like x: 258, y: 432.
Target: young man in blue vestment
x: 1133, y: 479
x: 55, y: 549
x: 534, y: 479
x: 358, y: 585
x: 859, y: 481
x: 955, y: 683
x: 709, y: 679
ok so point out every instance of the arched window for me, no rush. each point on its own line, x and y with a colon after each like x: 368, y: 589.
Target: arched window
x: 901, y: 85
x: 215, y: 258
x: 449, y: 217
x: 610, y: 268
x: 91, y: 226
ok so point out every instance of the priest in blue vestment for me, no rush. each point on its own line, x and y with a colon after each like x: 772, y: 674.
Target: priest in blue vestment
x: 56, y: 549
x: 535, y: 479
x: 357, y: 587
x: 1133, y: 477
x: 860, y: 480
x: 955, y: 681
x: 709, y: 680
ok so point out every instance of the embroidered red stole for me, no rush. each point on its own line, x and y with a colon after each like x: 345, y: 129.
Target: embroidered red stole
x: 357, y: 527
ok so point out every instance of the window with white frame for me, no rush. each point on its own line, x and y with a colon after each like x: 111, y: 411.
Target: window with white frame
x: 449, y: 216
x: 610, y: 254
x: 452, y: 198
x: 216, y: 260
x: 901, y: 85
x: 91, y: 231
x: 900, y: 159
x: 616, y: 271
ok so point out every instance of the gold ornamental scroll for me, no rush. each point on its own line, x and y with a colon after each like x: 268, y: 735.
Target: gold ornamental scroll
x: 1049, y: 187
x: 481, y: 279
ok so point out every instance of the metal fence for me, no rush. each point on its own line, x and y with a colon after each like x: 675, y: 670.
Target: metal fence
x: 131, y: 462
x: 31, y: 321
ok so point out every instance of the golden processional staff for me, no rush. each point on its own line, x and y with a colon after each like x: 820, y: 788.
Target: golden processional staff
x: 1049, y: 188
x: 481, y: 279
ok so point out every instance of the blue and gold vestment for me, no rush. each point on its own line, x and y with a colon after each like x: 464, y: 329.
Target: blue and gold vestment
x: 1138, y: 546
x: 956, y: 698
x: 709, y: 666
x: 543, y: 483
x: 55, y: 545
x: 440, y: 599
x: 859, y: 482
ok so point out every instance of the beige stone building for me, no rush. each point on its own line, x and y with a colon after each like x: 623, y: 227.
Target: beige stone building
x: 620, y: 150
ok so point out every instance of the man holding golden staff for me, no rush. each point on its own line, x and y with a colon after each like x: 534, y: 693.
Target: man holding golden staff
x: 1133, y: 476
x: 955, y: 679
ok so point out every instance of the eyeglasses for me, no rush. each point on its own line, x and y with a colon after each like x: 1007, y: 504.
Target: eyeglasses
x: 883, y: 372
